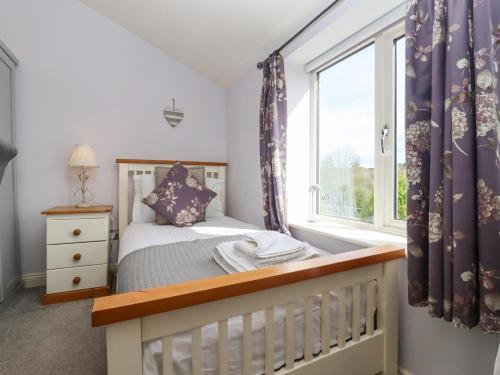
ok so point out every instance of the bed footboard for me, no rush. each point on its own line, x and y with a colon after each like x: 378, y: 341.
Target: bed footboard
x: 160, y: 313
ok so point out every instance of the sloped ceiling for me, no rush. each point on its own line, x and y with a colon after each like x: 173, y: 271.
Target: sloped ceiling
x: 221, y: 39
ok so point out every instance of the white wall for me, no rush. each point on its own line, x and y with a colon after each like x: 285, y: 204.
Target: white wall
x: 244, y: 188
x: 427, y: 346
x: 298, y: 149
x: 84, y: 79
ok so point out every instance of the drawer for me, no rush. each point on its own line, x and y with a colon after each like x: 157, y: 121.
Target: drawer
x: 62, y: 280
x: 77, y: 230
x: 77, y: 254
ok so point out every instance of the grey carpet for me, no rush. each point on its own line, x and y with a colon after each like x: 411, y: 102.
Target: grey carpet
x: 49, y: 340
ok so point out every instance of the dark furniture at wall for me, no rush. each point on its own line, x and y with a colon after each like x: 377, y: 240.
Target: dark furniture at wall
x: 9, y: 241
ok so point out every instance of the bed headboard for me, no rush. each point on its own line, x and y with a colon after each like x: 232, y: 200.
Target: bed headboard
x: 129, y: 167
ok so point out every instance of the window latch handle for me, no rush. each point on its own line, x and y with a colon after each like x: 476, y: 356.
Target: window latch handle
x: 385, y: 132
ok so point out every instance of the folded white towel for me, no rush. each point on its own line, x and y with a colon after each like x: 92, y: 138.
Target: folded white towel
x: 268, y: 244
x: 250, y: 248
x: 307, y: 253
x: 221, y: 261
x: 232, y: 260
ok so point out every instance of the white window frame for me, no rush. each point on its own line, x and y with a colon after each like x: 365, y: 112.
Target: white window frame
x: 384, y: 173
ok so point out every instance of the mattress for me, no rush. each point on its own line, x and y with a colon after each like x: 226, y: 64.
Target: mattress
x: 154, y: 255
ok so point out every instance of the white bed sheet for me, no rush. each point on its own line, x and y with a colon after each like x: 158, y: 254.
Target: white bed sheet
x: 141, y: 235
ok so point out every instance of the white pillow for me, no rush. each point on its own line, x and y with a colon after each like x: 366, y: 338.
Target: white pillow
x: 214, y: 208
x: 143, y: 185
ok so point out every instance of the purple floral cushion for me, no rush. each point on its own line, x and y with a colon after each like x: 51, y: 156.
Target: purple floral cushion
x: 180, y: 198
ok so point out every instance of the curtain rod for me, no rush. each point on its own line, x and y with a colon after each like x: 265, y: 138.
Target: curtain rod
x: 260, y: 64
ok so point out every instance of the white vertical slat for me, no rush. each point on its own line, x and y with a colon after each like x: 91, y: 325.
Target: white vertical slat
x: 222, y: 350
x: 222, y: 193
x: 269, y: 342
x: 308, y: 350
x: 289, y: 336
x: 325, y: 323
x: 370, y: 305
x: 122, y: 197
x: 356, y: 312
x: 124, y: 348
x: 247, y: 344
x: 168, y: 368
x: 196, y: 350
x: 341, y: 330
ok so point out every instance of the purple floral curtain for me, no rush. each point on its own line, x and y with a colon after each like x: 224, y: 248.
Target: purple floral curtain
x: 453, y: 160
x: 273, y: 123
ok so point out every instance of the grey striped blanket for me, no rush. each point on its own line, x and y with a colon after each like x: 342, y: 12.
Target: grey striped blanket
x: 170, y: 264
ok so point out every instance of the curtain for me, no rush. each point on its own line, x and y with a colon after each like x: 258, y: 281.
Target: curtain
x: 453, y: 160
x: 273, y: 127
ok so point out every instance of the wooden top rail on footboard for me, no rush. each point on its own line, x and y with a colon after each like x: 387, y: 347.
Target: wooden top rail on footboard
x: 121, y: 307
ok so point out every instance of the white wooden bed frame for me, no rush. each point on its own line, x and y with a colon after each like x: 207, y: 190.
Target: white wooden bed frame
x: 160, y: 313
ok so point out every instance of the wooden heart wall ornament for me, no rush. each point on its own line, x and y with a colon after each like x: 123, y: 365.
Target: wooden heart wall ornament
x: 173, y: 115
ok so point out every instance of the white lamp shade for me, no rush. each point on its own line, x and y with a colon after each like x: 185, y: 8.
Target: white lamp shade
x: 83, y: 156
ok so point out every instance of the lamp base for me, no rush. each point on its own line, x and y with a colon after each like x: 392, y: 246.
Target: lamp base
x: 82, y: 205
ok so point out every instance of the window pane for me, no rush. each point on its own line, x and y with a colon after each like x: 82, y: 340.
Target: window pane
x: 346, y: 154
x: 399, y: 105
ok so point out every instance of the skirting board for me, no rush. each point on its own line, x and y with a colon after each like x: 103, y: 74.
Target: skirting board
x: 33, y: 280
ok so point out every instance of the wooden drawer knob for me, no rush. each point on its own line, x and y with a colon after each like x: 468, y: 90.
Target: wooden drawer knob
x: 76, y: 280
x: 77, y: 232
x: 77, y: 257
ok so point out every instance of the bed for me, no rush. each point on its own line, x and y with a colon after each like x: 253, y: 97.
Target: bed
x: 177, y: 312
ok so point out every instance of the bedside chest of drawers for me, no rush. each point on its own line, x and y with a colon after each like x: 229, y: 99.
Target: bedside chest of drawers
x: 77, y: 253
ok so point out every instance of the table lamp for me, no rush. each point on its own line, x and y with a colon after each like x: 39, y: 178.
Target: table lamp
x: 82, y: 160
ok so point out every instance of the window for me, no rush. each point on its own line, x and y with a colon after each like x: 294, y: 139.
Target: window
x: 346, y: 130
x: 358, y: 121
x: 399, y: 153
